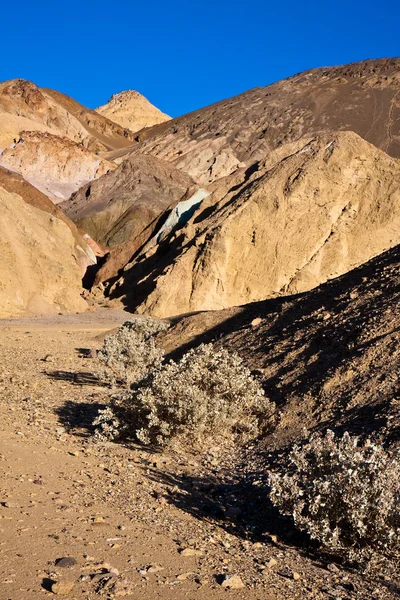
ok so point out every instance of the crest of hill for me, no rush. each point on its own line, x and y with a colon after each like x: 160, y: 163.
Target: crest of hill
x: 54, y: 165
x: 309, y: 212
x: 43, y: 255
x: 132, y: 110
x: 214, y: 141
x: 328, y: 358
x: 26, y: 107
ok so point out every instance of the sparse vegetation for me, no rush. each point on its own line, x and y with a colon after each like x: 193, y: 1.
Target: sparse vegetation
x: 131, y: 352
x: 208, y: 393
x: 343, y: 493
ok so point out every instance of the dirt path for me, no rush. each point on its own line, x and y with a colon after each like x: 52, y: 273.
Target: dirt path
x: 124, y: 514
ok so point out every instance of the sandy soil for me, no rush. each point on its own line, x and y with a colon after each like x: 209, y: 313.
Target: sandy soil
x: 125, y: 514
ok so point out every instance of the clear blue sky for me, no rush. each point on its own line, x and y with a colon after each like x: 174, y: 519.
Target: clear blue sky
x: 185, y: 55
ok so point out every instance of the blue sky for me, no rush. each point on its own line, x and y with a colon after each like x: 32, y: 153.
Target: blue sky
x: 185, y: 55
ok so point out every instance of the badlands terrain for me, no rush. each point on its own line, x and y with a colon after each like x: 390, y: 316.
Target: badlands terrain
x: 267, y: 224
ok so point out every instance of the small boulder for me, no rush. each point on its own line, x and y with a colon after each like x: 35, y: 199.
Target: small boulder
x: 63, y: 587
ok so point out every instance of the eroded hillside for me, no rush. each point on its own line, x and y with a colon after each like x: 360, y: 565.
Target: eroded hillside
x: 309, y: 212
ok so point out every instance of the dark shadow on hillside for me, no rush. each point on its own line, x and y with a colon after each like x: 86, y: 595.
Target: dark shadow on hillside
x: 305, y: 339
x: 140, y: 279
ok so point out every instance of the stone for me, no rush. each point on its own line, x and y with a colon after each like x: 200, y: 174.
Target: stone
x: 233, y: 582
x: 185, y: 576
x: 256, y: 322
x: 66, y: 562
x: 63, y: 587
x: 191, y: 552
x: 155, y: 568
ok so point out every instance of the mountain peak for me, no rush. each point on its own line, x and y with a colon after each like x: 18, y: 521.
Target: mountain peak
x: 132, y: 110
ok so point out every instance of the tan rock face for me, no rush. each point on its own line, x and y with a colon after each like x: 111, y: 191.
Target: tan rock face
x: 54, y: 165
x: 212, y: 142
x: 40, y: 269
x: 26, y: 107
x: 132, y: 110
x: 86, y: 249
x: 309, y: 212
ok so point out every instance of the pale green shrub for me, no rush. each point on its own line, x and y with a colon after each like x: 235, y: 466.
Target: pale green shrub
x: 208, y: 393
x: 343, y: 493
x: 131, y: 352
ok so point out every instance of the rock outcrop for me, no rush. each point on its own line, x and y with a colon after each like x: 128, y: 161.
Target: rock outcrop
x: 54, y: 165
x: 132, y: 110
x: 309, y: 212
x: 214, y: 141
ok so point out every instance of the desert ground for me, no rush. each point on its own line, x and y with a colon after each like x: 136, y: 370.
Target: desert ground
x: 125, y: 519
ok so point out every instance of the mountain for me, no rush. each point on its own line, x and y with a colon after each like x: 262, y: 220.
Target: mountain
x: 132, y: 110
x: 214, y: 141
x: 43, y: 254
x: 310, y: 211
x: 55, y: 165
x: 26, y: 107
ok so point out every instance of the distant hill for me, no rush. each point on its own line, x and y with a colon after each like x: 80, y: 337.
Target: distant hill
x: 132, y: 110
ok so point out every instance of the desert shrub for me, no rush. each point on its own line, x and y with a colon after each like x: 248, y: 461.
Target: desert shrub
x: 131, y: 352
x: 207, y: 393
x: 343, y: 493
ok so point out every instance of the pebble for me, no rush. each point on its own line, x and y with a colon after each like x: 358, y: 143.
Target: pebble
x: 185, y: 576
x: 155, y: 568
x: 233, y: 582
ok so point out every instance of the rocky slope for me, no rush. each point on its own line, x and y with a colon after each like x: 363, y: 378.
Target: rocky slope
x: 214, y: 141
x: 328, y: 357
x: 54, y: 165
x: 309, y: 212
x: 26, y: 107
x: 118, y: 209
x: 43, y: 255
x: 132, y: 110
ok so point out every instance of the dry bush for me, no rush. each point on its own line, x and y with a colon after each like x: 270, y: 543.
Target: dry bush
x: 344, y: 494
x: 208, y: 393
x: 131, y: 352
